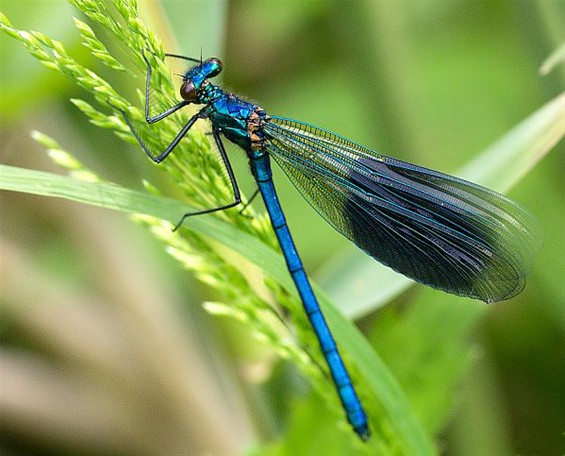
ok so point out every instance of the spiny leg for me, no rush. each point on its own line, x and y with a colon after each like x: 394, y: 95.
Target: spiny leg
x: 202, y: 114
x: 168, y: 112
x: 233, y: 182
x: 246, y: 205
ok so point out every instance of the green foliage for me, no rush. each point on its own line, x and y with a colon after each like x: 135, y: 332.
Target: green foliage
x: 422, y: 346
x: 199, y: 177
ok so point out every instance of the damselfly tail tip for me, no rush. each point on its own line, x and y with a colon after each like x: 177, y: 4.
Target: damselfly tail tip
x: 363, y: 432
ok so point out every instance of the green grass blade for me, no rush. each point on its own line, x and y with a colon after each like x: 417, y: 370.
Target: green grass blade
x: 556, y: 58
x: 379, y: 380
x: 112, y: 196
x: 503, y: 164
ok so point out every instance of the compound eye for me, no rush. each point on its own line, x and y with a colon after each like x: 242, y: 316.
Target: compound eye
x: 217, y: 67
x: 188, y: 91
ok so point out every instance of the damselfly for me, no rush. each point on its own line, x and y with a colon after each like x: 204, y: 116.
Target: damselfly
x: 437, y: 229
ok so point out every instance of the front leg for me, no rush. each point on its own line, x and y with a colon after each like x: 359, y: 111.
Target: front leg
x: 202, y: 114
x: 235, y: 189
x: 168, y: 112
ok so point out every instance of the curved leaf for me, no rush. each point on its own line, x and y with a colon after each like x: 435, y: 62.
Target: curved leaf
x: 377, y: 377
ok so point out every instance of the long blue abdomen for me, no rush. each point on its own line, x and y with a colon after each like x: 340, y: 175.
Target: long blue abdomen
x: 261, y: 168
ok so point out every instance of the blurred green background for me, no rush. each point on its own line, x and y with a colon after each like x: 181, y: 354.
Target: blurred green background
x: 105, y: 348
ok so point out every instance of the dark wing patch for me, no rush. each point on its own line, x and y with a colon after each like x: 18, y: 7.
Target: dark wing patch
x: 439, y: 230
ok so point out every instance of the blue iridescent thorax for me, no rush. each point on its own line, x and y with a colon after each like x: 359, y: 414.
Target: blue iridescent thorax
x: 240, y: 121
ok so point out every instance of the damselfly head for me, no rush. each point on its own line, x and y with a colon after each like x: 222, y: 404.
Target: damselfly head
x: 195, y: 77
x: 188, y: 91
x: 214, y: 67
